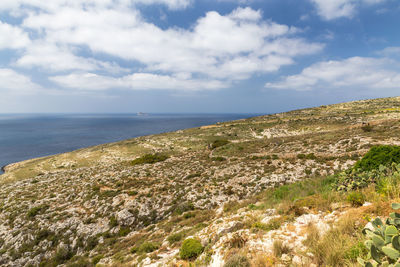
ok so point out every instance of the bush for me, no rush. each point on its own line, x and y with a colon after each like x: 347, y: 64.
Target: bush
x: 237, y: 261
x: 176, y: 237
x: 191, y: 249
x: 379, y: 155
x: 356, y: 199
x: 146, y: 247
x: 113, y: 222
x: 124, y: 231
x: 36, y: 210
x: 150, y: 159
x: 301, y: 156
x: 96, y: 259
x: 218, y: 159
x: 219, y: 143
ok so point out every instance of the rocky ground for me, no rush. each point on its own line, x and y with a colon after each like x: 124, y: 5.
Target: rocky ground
x: 93, y: 206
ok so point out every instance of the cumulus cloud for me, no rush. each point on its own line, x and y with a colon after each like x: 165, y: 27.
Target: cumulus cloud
x: 136, y: 81
x: 232, y: 46
x: 355, y: 72
x: 55, y: 58
x: 16, y: 82
x: 333, y: 9
x: 221, y: 48
x: 12, y: 37
x: 20, y: 7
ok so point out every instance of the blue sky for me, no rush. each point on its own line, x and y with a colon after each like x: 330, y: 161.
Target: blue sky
x: 249, y: 56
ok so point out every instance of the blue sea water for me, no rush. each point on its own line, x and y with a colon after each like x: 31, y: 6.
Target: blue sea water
x: 29, y: 136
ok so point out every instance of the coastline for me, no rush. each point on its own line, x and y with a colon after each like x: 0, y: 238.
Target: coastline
x: 84, y: 138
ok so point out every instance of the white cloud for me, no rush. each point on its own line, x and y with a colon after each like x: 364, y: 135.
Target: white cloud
x: 10, y: 80
x: 354, y: 72
x: 12, y: 37
x: 232, y: 47
x: 392, y: 51
x: 20, y: 7
x: 55, y: 58
x: 333, y: 9
x: 76, y: 35
x: 246, y: 13
x: 137, y: 81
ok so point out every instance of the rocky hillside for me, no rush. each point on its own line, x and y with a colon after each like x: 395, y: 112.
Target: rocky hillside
x: 133, y: 203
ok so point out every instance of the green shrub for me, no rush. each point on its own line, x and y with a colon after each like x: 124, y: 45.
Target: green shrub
x: 218, y: 159
x: 356, y: 199
x: 281, y: 192
x: 311, y: 156
x: 113, y: 222
x: 150, y: 159
x: 191, y: 249
x: 383, y: 242
x: 176, y: 237
x: 62, y: 255
x: 96, y: 259
x: 146, y: 247
x: 301, y: 156
x: 124, y: 231
x: 219, y: 143
x: 183, y: 207
x: 379, y: 155
x: 91, y: 243
x: 36, y: 210
x: 237, y: 261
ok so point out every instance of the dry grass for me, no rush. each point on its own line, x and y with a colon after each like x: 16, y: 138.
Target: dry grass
x: 340, y: 246
x: 279, y: 248
x: 262, y: 260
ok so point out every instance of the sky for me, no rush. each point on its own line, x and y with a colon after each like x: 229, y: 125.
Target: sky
x: 195, y: 56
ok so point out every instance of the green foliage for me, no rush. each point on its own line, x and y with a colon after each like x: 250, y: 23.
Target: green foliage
x: 113, y: 222
x: 150, y: 159
x: 379, y: 155
x: 356, y: 251
x: 91, y: 243
x: 380, y: 165
x: 383, y: 241
x: 36, y: 210
x: 97, y: 258
x: 218, y: 158
x: 124, y: 231
x: 237, y: 261
x: 281, y: 192
x: 301, y: 156
x: 176, y: 237
x: 356, y: 199
x: 62, y: 255
x: 219, y: 143
x: 183, y: 207
x: 146, y: 247
x: 386, y: 179
x: 191, y: 249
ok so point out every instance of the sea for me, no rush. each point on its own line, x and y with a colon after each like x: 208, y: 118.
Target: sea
x: 26, y: 136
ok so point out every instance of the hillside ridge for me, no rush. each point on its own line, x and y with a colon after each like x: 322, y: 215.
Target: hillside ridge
x: 238, y: 187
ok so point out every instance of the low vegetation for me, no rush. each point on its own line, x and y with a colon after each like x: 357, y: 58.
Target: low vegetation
x: 150, y: 159
x: 290, y: 189
x: 191, y: 249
